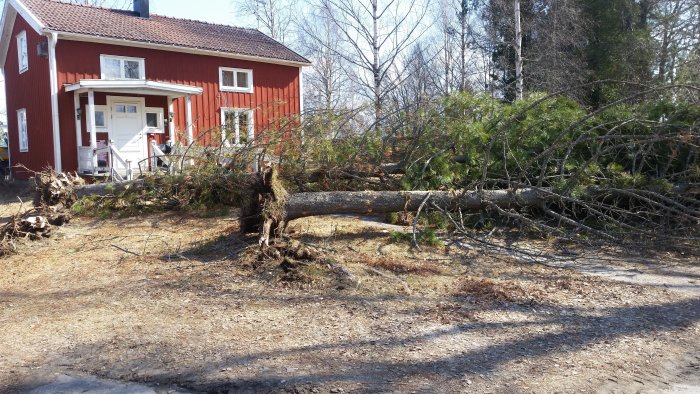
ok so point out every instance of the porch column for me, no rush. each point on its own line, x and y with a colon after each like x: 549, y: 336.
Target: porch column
x: 171, y: 119
x: 92, y: 126
x: 78, y: 124
x: 190, y: 126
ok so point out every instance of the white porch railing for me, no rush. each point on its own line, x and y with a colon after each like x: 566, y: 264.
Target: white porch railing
x: 118, y: 167
x: 166, y: 159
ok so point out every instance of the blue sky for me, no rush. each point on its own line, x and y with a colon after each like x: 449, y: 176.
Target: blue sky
x: 214, y: 11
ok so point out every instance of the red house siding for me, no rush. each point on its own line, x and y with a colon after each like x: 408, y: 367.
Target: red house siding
x: 30, y: 90
x: 276, y: 88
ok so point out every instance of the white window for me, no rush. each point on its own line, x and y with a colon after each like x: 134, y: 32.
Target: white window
x: 22, y: 128
x: 119, y: 67
x: 100, y: 117
x: 235, y: 80
x: 22, y: 54
x: 155, y: 120
x: 237, y: 126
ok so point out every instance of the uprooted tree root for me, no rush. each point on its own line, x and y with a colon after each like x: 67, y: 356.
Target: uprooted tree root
x: 54, y: 195
x: 292, y: 263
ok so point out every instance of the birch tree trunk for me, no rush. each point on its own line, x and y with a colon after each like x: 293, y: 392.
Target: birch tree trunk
x: 518, y: 52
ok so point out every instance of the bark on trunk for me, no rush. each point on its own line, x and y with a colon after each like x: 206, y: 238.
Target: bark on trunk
x: 327, y: 203
x: 518, y: 52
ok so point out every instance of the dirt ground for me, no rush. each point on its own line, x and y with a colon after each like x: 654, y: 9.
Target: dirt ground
x: 172, y: 300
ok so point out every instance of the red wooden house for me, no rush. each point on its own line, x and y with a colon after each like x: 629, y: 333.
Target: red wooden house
x: 78, y: 78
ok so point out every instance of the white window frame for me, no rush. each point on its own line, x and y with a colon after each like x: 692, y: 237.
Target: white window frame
x: 22, y: 47
x: 160, y: 112
x: 98, y: 108
x: 22, y: 131
x: 237, y: 130
x: 122, y: 59
x: 237, y: 89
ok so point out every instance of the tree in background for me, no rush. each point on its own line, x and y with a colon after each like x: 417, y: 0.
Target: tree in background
x: 328, y: 83
x: 274, y: 17
x: 620, y: 47
x: 675, y: 27
x: 553, y: 43
x: 374, y: 37
x: 116, y: 4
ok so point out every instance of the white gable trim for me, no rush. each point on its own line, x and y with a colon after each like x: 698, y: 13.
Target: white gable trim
x: 9, y: 16
x: 28, y: 15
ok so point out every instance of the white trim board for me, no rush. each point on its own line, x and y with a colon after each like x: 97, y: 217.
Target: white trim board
x: 29, y: 16
x: 135, y: 86
x: 173, y: 48
x: 13, y: 7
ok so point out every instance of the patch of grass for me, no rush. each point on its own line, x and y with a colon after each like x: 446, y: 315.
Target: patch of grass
x: 435, y: 219
x: 399, y: 237
x: 489, y: 290
x: 404, y: 266
x: 425, y: 237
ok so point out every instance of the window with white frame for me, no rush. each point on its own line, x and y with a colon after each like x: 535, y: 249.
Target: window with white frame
x: 22, y: 54
x: 22, y: 130
x: 155, y: 120
x: 235, y: 80
x: 120, y: 67
x: 237, y: 126
x: 100, y: 117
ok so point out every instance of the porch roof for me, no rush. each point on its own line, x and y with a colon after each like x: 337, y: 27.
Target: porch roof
x: 144, y: 87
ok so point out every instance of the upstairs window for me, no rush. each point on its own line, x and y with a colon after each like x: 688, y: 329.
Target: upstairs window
x: 235, y: 80
x: 119, y: 67
x: 236, y: 126
x: 22, y: 55
x: 22, y: 130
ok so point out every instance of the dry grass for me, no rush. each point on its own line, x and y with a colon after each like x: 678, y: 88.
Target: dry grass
x: 489, y: 290
x: 404, y: 266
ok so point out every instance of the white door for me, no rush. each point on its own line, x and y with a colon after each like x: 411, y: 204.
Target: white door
x: 126, y: 132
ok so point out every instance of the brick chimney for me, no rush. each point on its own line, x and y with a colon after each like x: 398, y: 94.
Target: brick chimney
x: 142, y: 9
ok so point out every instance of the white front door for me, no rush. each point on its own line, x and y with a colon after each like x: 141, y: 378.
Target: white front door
x: 127, y: 131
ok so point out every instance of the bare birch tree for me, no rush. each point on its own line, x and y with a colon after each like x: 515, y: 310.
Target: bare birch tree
x: 274, y: 17
x: 374, y: 37
x: 327, y: 82
x: 518, y: 45
x: 676, y: 28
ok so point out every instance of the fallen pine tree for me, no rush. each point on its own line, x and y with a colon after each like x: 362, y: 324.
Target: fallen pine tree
x: 266, y: 205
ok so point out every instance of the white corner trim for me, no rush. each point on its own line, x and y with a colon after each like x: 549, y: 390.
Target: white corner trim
x: 29, y: 16
x: 53, y: 77
x: 301, y: 92
x: 188, y: 117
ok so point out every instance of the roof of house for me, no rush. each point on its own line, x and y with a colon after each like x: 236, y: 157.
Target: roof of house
x: 125, y: 25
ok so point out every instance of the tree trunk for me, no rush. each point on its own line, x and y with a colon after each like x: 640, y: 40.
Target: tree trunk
x: 518, y: 52
x: 300, y: 205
